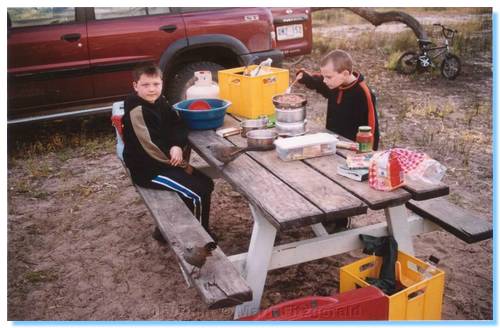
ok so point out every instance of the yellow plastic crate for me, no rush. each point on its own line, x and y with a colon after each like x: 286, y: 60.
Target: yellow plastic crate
x: 420, y: 300
x: 252, y: 96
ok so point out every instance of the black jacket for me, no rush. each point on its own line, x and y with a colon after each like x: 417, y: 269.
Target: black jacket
x: 348, y: 106
x: 149, y: 131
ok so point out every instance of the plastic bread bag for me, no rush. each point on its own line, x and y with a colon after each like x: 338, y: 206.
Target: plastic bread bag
x: 428, y: 171
x: 390, y: 169
x: 385, y: 172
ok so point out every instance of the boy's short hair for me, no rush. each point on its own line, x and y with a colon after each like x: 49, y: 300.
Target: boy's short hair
x: 340, y: 59
x: 147, y: 69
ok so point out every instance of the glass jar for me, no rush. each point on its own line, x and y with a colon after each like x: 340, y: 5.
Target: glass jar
x: 364, y: 138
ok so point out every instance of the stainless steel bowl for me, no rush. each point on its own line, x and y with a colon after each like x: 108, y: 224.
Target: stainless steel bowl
x: 261, y: 139
x: 290, y: 115
x: 290, y: 100
x: 291, y: 129
x: 250, y: 125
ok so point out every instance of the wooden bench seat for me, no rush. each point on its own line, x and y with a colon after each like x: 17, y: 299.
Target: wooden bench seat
x: 219, y: 283
x: 464, y: 224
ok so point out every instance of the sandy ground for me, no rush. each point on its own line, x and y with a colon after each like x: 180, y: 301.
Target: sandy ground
x: 79, y: 236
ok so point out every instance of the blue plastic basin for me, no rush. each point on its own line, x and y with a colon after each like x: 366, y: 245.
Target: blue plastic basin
x: 203, y: 119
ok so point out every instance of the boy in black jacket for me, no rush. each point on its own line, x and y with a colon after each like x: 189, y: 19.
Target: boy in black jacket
x: 154, y: 136
x: 350, y: 102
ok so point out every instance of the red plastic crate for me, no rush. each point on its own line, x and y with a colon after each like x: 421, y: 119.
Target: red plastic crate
x: 368, y: 303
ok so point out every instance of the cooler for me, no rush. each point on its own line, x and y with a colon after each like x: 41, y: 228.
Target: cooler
x: 361, y: 304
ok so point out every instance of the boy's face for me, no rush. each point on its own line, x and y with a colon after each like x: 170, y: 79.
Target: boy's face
x: 332, y: 78
x: 149, y: 87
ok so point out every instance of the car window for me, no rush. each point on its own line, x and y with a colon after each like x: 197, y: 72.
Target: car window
x: 117, y: 12
x: 194, y: 9
x: 36, y: 16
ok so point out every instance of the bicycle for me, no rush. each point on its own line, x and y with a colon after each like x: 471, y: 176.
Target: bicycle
x: 412, y: 61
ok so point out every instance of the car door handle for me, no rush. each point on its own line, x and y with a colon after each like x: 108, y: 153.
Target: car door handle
x: 71, y: 37
x: 168, y: 28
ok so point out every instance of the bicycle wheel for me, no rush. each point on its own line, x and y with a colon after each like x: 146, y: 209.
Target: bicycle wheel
x: 407, y: 63
x: 450, y: 67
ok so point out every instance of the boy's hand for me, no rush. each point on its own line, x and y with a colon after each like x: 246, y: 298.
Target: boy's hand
x: 300, y: 74
x: 175, y: 155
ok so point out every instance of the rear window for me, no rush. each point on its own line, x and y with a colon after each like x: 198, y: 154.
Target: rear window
x: 37, y: 16
x: 118, y: 12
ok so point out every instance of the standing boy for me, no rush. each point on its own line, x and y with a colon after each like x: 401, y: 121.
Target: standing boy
x: 350, y: 102
x: 154, y: 136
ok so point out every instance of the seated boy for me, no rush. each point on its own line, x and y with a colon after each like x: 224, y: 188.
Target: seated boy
x: 154, y: 136
x: 351, y: 103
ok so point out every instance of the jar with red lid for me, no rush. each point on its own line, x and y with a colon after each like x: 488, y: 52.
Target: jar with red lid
x: 364, y: 138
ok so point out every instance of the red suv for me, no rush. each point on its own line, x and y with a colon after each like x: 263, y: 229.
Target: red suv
x: 73, y: 60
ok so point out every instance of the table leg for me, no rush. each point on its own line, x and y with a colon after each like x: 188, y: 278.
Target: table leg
x: 257, y: 263
x: 397, y: 223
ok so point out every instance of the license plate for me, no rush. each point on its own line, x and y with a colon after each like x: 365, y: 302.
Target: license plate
x: 289, y: 32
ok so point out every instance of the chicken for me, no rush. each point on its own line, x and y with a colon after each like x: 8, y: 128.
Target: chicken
x: 197, y: 256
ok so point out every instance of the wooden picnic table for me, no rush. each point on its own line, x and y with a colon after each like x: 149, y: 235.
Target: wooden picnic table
x: 284, y: 195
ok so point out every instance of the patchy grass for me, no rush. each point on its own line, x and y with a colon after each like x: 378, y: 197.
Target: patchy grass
x: 65, y: 139
x: 40, y: 276
x: 392, y: 61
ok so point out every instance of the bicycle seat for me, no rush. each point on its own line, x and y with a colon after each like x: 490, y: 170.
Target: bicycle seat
x: 425, y: 42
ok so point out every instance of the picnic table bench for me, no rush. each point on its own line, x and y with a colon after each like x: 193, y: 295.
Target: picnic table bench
x: 284, y: 195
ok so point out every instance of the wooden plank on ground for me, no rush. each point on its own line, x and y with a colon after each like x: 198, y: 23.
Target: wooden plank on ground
x: 332, y: 199
x: 464, y: 224
x: 219, y: 283
x: 280, y: 204
x: 375, y: 199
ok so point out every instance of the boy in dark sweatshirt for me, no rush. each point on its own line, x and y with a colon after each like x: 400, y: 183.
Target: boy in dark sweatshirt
x: 351, y: 103
x: 154, y: 137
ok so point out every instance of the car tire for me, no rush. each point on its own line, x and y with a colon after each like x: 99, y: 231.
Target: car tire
x: 184, y: 78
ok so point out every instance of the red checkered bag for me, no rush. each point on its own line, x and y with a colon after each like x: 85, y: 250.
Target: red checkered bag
x: 389, y: 169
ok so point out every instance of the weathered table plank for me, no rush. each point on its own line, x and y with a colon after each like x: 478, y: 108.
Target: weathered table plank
x: 375, y: 199
x: 332, y: 199
x: 219, y: 283
x: 283, y: 206
x: 418, y: 190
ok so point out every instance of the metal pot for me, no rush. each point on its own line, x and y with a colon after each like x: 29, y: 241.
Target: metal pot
x: 249, y: 125
x: 290, y: 115
x: 261, y: 139
x: 289, y: 101
x: 291, y: 129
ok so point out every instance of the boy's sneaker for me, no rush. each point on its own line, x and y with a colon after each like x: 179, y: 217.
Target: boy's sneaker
x: 158, y: 236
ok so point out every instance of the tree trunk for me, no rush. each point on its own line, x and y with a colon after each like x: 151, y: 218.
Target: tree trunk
x: 378, y: 18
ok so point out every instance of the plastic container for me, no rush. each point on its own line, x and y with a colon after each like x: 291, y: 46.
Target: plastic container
x: 203, y: 87
x: 117, y: 113
x: 203, y: 119
x: 367, y: 303
x: 252, y: 96
x: 420, y: 300
x: 308, y: 146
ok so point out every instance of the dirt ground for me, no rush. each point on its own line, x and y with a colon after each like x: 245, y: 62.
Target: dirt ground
x: 79, y: 236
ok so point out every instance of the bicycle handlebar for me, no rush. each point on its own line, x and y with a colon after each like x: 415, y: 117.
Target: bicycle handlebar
x: 447, y: 32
